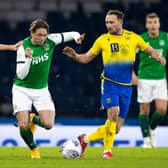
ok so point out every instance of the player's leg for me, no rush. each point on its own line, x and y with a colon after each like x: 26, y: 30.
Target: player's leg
x: 22, y: 105
x: 110, y: 132
x: 98, y: 134
x: 145, y: 124
x: 124, y: 101
x: 47, y: 118
x: 159, y: 114
x: 25, y: 132
x: 120, y: 123
x: 110, y: 102
x: 44, y: 105
x: 119, y: 102
x: 32, y: 126
x: 105, y: 132
x: 45, y: 108
x: 160, y: 94
x: 145, y: 96
x: 116, y: 116
x: 157, y: 118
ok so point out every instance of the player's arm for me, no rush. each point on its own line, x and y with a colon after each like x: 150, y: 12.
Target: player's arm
x: 155, y: 54
x: 24, y: 58
x: 11, y: 47
x: 59, y: 38
x: 134, y: 78
x: 82, y: 58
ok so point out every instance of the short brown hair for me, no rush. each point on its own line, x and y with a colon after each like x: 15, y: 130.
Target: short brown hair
x: 37, y: 24
x: 119, y: 14
x: 152, y: 15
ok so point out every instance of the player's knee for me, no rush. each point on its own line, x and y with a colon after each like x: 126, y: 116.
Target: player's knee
x: 49, y: 125
x: 23, y: 125
x: 162, y: 110
x: 113, y: 117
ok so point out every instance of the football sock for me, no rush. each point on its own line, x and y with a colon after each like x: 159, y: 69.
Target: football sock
x: 28, y: 138
x: 144, y: 123
x: 36, y: 120
x: 109, y: 134
x: 98, y: 134
x: 156, y: 120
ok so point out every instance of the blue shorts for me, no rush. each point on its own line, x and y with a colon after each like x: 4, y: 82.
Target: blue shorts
x: 116, y: 95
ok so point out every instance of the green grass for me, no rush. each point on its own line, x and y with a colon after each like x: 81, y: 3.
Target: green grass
x: 19, y: 157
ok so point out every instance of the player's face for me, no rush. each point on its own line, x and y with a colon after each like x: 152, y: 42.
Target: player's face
x: 153, y: 25
x: 113, y: 24
x: 39, y: 36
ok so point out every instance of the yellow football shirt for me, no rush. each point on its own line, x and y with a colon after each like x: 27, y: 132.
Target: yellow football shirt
x: 118, y: 53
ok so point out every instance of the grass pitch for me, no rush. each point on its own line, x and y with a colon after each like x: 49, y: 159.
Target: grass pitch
x: 19, y: 157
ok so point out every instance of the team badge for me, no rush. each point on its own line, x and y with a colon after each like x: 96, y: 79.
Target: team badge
x: 161, y: 42
x: 108, y: 100
x: 46, y: 47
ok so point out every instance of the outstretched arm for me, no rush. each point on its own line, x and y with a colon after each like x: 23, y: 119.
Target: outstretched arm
x: 65, y: 37
x: 82, y: 58
x: 155, y: 54
x: 12, y: 47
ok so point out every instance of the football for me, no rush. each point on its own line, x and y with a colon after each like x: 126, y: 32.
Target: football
x: 71, y: 149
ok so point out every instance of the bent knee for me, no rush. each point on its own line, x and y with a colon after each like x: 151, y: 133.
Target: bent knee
x: 23, y: 126
x: 48, y: 126
x: 113, y: 117
x: 161, y: 111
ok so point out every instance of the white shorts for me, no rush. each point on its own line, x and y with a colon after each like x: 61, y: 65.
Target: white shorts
x: 149, y: 90
x: 23, y: 99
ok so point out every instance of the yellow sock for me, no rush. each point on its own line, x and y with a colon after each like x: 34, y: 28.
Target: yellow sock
x: 109, y: 134
x: 98, y: 134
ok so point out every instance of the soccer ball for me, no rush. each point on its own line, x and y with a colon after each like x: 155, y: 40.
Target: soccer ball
x: 71, y: 149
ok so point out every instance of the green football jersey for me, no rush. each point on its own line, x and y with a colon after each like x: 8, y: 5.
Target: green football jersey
x: 37, y: 77
x: 149, y: 68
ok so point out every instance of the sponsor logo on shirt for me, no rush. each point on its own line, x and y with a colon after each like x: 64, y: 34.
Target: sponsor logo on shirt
x: 40, y: 59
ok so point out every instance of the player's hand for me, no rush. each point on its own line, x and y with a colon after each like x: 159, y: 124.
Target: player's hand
x: 162, y: 60
x: 70, y: 52
x: 28, y: 52
x: 80, y: 39
x: 14, y: 47
x: 18, y: 44
x: 134, y: 79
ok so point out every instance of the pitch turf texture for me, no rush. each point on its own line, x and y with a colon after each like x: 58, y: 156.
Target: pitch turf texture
x: 19, y: 157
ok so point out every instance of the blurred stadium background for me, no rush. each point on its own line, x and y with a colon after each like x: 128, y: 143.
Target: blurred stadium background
x: 75, y: 87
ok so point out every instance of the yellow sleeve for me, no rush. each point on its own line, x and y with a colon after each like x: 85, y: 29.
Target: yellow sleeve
x: 142, y: 45
x: 96, y: 48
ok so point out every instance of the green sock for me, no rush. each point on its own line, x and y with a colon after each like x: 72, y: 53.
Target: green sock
x: 144, y: 123
x: 36, y: 120
x: 28, y: 138
x: 156, y: 120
